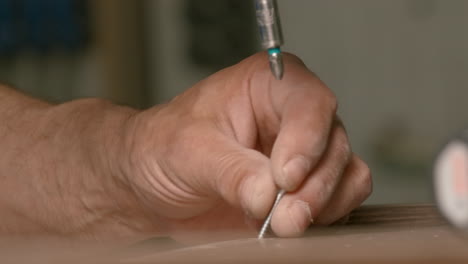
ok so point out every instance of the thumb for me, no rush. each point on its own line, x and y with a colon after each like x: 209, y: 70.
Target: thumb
x: 242, y: 177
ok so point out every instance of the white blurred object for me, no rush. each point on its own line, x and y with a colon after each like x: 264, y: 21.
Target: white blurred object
x: 451, y: 182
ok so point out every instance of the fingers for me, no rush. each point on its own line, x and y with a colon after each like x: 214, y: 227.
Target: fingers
x: 354, y: 188
x: 306, y: 109
x: 297, y: 210
x: 242, y: 177
x: 201, y: 167
x: 308, y: 156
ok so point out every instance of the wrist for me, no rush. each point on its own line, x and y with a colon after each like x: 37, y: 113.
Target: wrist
x: 97, y: 196
x: 137, y: 139
x: 61, y: 170
x: 144, y: 164
x: 107, y: 141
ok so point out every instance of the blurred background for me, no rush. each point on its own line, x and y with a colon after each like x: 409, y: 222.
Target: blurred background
x: 398, y: 67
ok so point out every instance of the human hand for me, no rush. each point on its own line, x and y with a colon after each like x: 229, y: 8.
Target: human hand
x: 214, y: 157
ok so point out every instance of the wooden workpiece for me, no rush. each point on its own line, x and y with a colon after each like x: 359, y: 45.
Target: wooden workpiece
x: 373, y: 234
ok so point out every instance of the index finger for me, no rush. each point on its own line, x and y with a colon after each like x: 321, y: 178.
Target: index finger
x: 306, y: 109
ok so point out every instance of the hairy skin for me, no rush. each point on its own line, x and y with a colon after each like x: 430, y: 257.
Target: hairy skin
x: 211, y: 159
x: 57, y: 169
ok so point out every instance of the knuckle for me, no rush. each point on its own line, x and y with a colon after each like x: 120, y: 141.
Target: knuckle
x: 365, y: 180
x: 237, y: 181
x: 329, y: 182
x: 231, y: 178
x: 258, y: 69
x: 342, y: 143
x: 293, y: 58
x: 345, y: 147
x: 331, y: 100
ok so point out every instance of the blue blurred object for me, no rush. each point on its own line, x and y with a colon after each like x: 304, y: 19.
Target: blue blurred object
x: 66, y: 32
x: 8, y: 39
x: 43, y: 25
x: 33, y: 17
x: 71, y: 32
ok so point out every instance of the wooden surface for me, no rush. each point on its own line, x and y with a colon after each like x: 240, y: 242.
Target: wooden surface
x: 373, y: 234
x: 422, y: 245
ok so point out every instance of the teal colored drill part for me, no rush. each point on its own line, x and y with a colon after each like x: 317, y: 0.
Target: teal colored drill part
x: 274, y: 51
x: 276, y: 62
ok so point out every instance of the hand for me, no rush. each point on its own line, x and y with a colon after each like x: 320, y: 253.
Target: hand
x: 214, y: 157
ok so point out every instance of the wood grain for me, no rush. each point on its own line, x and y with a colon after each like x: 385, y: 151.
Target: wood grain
x: 372, y: 234
x: 394, y: 215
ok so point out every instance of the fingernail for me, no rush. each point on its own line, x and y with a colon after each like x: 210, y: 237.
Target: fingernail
x: 301, y: 216
x: 294, y: 172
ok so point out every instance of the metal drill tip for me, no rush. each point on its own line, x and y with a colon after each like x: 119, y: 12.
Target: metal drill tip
x: 267, y: 222
x: 276, y: 65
